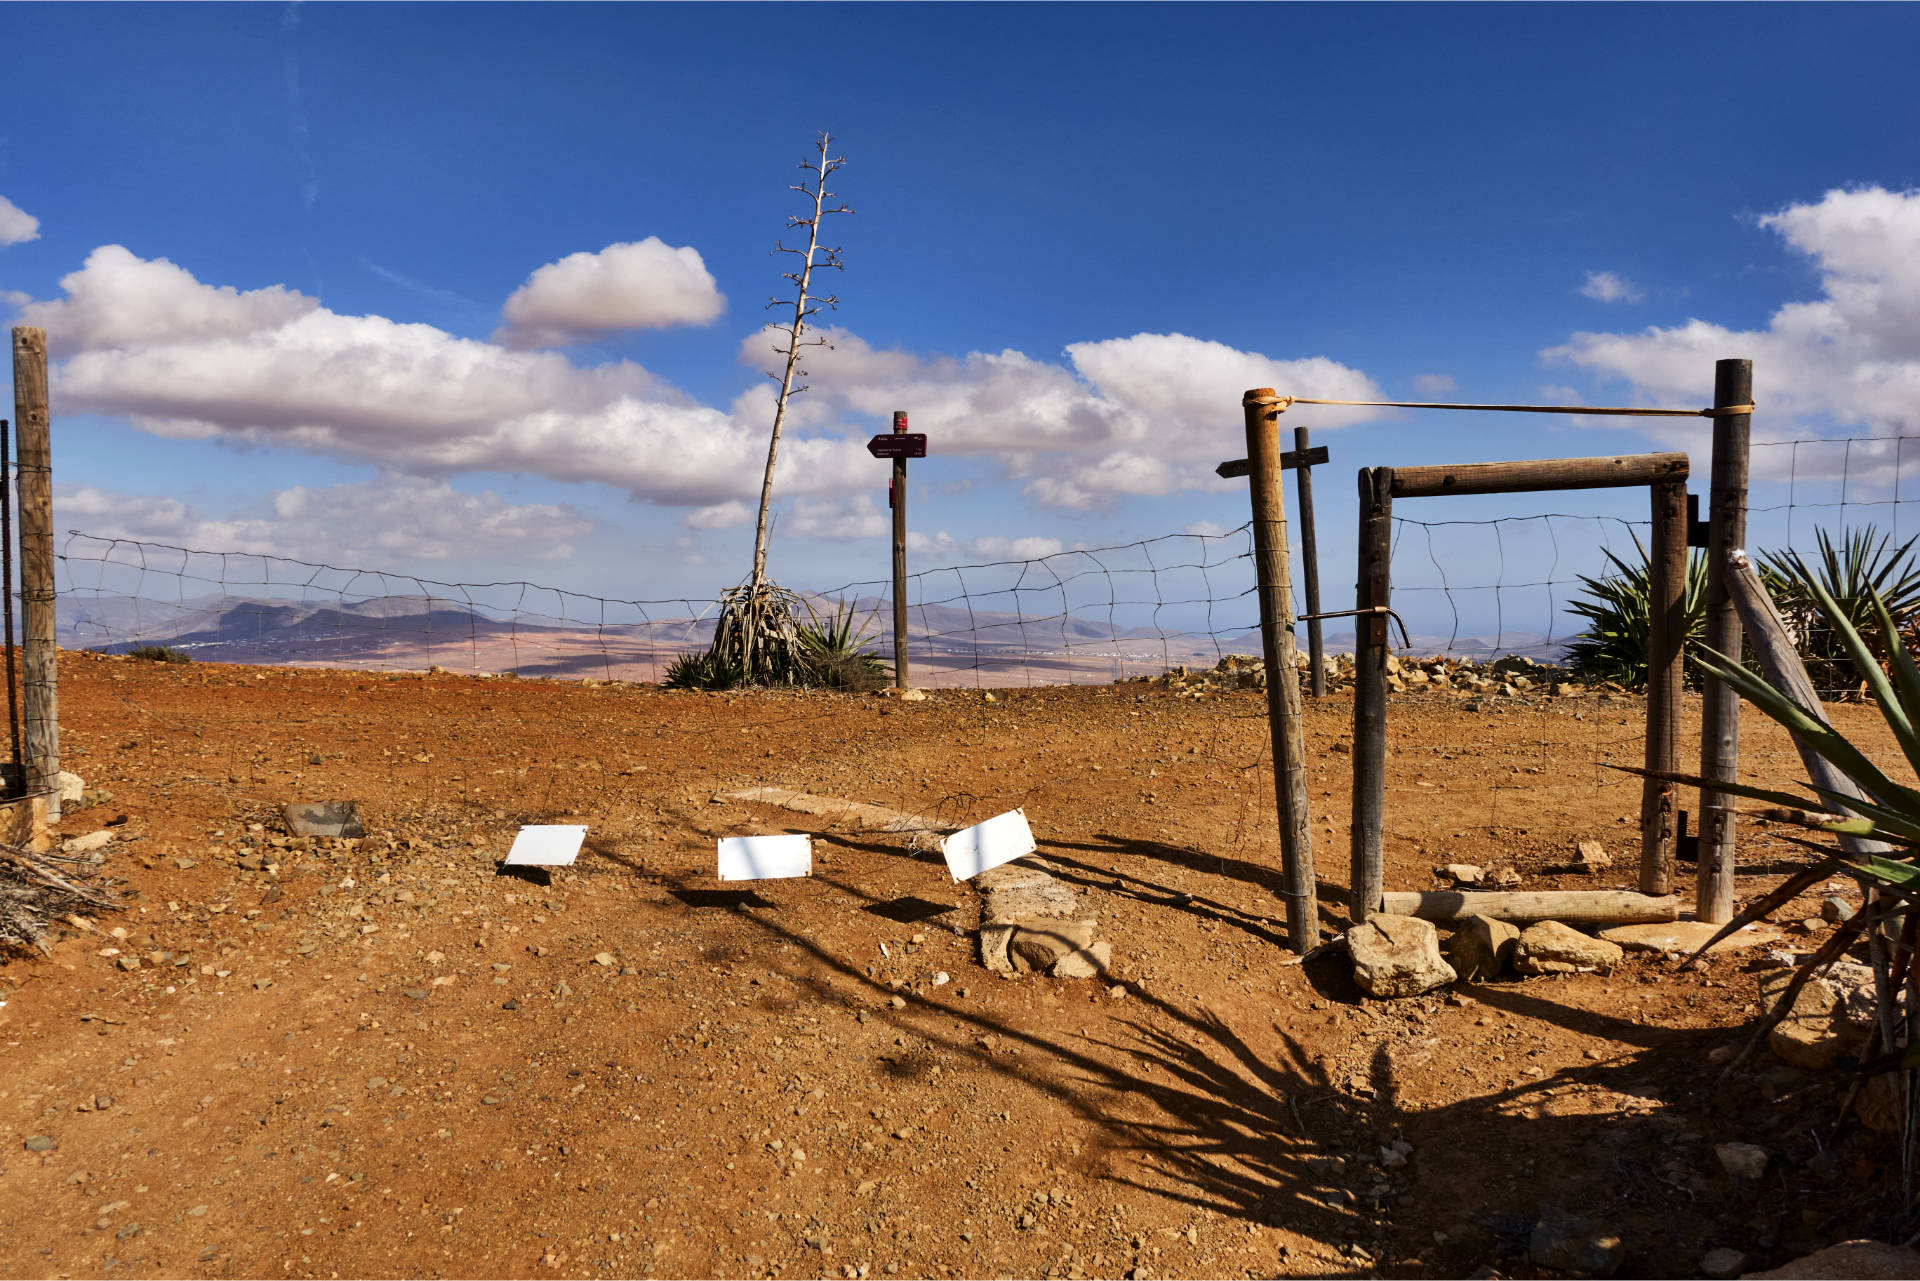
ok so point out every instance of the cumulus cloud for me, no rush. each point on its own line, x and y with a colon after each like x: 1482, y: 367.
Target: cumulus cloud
x: 1607, y: 286
x: 17, y: 226
x: 943, y: 546
x: 1434, y: 384
x: 1148, y: 414
x: 836, y: 521
x: 1850, y: 357
x: 644, y: 285
x: 719, y: 516
x: 387, y: 521
x: 146, y: 341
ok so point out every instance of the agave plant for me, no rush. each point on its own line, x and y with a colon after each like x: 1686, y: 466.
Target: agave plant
x: 1878, y: 832
x: 1851, y: 575
x: 835, y: 649
x: 1618, y: 607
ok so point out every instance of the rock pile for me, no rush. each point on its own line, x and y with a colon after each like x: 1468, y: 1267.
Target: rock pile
x: 1030, y: 924
x: 1512, y: 677
x: 1401, y: 955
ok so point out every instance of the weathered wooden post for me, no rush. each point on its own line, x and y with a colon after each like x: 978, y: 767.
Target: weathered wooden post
x: 899, y: 445
x: 1310, y: 565
x: 1720, y: 706
x: 1666, y: 669
x: 35, y: 486
x: 19, y: 785
x: 1368, y: 834
x: 1262, y: 409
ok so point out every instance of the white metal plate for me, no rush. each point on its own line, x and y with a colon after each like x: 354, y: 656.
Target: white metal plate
x: 1001, y: 839
x: 765, y: 858
x: 547, y: 845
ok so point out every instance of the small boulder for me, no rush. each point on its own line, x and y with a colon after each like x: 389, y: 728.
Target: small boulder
x: 1464, y: 873
x: 1591, y: 856
x: 1549, y: 947
x: 324, y: 818
x: 1482, y: 947
x: 1809, y: 1036
x: 1836, y: 910
x: 1397, y: 956
x: 1741, y: 1160
x: 1037, y: 944
x: 1722, y: 1262
x: 1570, y: 1243
x: 1865, y: 1260
x: 88, y: 844
x: 1084, y: 963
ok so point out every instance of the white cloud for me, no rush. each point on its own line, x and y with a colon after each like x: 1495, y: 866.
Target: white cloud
x: 844, y: 521
x: 644, y: 285
x: 1205, y: 529
x: 1607, y: 286
x: 945, y: 547
x: 391, y: 520
x: 719, y: 516
x: 1145, y: 415
x: 1852, y: 356
x: 1151, y: 414
x: 146, y: 341
x: 119, y: 300
x: 17, y: 226
x: 1434, y: 384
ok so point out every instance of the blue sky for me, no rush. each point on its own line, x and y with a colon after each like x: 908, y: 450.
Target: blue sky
x: 273, y: 246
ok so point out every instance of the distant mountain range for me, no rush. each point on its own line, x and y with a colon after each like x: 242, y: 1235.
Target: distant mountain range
x: 950, y: 644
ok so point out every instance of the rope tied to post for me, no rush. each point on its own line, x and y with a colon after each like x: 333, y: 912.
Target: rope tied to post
x: 1283, y: 403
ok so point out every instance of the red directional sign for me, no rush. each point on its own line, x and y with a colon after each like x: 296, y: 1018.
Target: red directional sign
x: 899, y: 444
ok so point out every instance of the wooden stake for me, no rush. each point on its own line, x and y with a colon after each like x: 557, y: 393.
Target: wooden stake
x: 1720, y: 706
x: 35, y: 486
x: 1368, y: 833
x: 1310, y: 567
x: 1273, y: 573
x: 899, y: 494
x: 1666, y: 641
x: 1569, y: 907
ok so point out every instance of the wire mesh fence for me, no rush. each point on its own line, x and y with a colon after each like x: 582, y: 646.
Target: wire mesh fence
x: 1075, y: 617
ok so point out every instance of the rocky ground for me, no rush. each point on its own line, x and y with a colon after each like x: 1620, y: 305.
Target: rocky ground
x: 298, y: 1057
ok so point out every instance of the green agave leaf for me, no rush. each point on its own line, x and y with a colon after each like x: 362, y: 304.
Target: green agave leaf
x: 1868, y: 666
x: 1906, y: 676
x: 1824, y: 739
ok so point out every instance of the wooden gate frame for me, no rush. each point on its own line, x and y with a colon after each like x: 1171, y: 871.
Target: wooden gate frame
x: 1665, y: 475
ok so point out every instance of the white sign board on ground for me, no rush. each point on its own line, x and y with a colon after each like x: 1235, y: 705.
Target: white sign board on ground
x: 1001, y: 839
x: 547, y: 845
x: 765, y: 858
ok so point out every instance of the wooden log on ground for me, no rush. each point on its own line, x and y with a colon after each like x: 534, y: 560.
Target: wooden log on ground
x: 1546, y: 473
x: 1569, y: 907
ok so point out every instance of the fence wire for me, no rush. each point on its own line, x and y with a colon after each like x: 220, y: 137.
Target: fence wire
x: 1075, y: 617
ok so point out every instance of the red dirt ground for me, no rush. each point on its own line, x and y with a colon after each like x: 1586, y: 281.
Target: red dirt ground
x: 383, y: 1059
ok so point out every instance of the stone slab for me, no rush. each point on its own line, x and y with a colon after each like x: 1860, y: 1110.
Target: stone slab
x: 1686, y: 937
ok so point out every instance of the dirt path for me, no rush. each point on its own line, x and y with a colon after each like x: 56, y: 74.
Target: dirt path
x: 381, y: 1058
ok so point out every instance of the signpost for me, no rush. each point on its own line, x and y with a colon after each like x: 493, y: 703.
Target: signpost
x: 1301, y: 459
x: 899, y: 445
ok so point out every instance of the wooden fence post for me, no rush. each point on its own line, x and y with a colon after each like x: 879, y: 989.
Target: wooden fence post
x: 1720, y: 706
x: 1370, y: 692
x: 1666, y: 671
x: 1273, y: 573
x: 35, y: 487
x: 898, y: 492
x: 1310, y: 568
